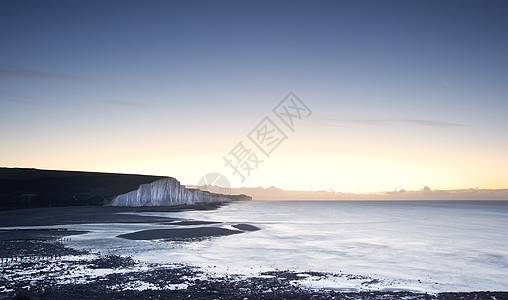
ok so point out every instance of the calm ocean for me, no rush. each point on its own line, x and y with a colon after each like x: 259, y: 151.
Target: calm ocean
x: 427, y: 246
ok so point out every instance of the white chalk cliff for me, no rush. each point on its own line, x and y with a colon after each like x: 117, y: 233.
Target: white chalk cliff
x: 167, y: 192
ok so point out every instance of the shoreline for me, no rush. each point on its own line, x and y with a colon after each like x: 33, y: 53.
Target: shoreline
x: 36, y: 263
x: 68, y: 215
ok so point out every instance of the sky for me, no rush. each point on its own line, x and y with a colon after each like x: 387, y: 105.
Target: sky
x: 392, y: 94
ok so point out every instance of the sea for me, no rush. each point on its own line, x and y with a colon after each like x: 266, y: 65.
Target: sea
x: 421, y: 246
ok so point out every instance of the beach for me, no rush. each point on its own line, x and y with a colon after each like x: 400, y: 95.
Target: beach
x: 44, y: 255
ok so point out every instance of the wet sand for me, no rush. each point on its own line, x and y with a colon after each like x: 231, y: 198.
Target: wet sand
x: 88, y: 215
x: 179, y: 233
x: 246, y: 227
x: 49, y: 216
x: 36, y: 234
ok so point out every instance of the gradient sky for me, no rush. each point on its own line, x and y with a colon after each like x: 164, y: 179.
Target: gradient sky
x: 403, y: 93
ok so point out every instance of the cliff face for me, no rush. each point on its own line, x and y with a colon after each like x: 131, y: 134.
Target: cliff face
x: 169, y: 192
x: 31, y: 188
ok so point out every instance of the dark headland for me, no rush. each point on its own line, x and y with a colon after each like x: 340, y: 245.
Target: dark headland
x: 34, y: 188
x: 31, y: 188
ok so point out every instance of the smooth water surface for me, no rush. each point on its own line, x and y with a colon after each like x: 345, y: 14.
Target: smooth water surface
x: 430, y: 246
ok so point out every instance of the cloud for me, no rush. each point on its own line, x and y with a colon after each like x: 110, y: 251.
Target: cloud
x: 338, y: 122
x: 10, y: 96
x: 7, y: 71
x: 432, y: 123
x: 20, y: 101
x: 444, y: 82
x: 125, y: 103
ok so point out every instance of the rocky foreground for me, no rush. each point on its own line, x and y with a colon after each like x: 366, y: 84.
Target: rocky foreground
x: 49, y: 270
